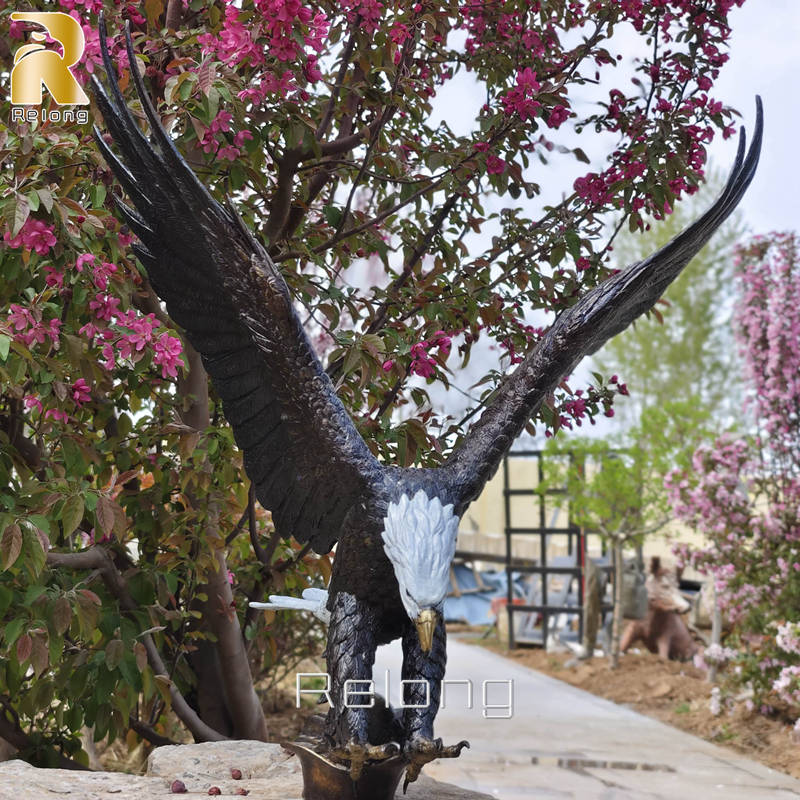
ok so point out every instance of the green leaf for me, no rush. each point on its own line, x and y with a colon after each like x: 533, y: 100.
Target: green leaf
x: 238, y: 176
x: 127, y: 666
x: 62, y: 615
x: 115, y: 650
x: 33, y: 593
x: 333, y: 215
x: 36, y: 547
x: 13, y: 630
x: 573, y: 244
x: 55, y: 645
x: 10, y: 545
x: 6, y: 596
x: 140, y: 652
x: 73, y: 458
x: 98, y: 195
x: 581, y: 156
x: 557, y: 254
x: 40, y: 655
x: 24, y: 648
x: 105, y: 514
x: 5, y: 344
x: 153, y: 9
x: 72, y: 514
x: 21, y: 214
x: 47, y: 199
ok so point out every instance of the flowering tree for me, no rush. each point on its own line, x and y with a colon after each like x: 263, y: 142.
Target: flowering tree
x: 744, y: 494
x: 126, y: 564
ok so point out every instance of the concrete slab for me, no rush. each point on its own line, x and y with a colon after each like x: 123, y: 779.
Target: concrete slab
x: 562, y: 742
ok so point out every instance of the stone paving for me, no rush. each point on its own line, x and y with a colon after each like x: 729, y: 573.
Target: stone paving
x: 565, y: 743
x: 266, y: 772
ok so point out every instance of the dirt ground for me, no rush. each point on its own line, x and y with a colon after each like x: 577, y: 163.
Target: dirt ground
x: 673, y: 692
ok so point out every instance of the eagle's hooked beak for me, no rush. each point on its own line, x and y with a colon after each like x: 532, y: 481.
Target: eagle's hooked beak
x: 426, y: 625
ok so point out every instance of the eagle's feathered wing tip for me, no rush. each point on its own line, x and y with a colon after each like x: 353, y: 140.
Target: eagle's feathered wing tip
x: 313, y: 600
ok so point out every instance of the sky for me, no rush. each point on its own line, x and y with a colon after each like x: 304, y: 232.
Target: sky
x: 765, y: 60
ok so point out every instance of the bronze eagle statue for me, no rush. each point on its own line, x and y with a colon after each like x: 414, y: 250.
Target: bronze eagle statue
x: 394, y: 528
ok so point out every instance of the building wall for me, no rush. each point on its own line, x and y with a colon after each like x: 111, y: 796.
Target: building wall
x: 482, y: 527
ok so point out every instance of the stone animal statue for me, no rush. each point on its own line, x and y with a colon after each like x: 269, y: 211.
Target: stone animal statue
x: 395, y: 528
x: 662, y: 630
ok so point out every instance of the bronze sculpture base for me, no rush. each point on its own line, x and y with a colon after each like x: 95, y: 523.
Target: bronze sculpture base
x: 324, y: 780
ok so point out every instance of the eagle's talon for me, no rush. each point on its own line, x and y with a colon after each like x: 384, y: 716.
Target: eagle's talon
x: 420, y: 751
x: 359, y: 754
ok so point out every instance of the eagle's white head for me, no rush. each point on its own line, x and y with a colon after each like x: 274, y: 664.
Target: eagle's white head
x: 419, y: 537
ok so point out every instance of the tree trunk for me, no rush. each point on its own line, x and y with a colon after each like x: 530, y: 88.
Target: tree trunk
x: 237, y: 681
x: 591, y: 605
x: 174, y: 14
x: 716, y: 631
x: 228, y: 676
x: 210, y: 705
x: 616, y: 627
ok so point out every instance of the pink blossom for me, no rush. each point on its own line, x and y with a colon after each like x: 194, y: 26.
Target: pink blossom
x: 57, y: 414
x: 31, y: 401
x: 495, y: 165
x: 101, y: 274
x: 558, y: 115
x: 34, y: 235
x: 53, y: 277
x: 236, y: 42
x: 82, y: 260
x: 168, y: 350
x: 241, y: 137
x: 105, y: 306
x: 80, y: 392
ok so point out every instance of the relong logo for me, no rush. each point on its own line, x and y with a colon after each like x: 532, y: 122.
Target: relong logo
x: 35, y: 65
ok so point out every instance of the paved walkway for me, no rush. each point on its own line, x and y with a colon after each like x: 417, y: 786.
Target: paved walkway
x: 565, y: 743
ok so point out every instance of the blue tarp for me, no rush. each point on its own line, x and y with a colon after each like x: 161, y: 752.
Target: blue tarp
x: 474, y: 608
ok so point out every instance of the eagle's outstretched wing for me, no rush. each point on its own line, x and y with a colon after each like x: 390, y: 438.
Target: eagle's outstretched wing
x: 583, y: 328
x: 307, y: 462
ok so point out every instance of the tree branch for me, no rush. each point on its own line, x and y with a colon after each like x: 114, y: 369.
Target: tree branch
x: 382, y: 311
x: 408, y: 267
x: 147, y: 302
x: 98, y: 558
x: 325, y: 122
x: 174, y: 14
x: 147, y: 732
x: 240, y: 696
x: 28, y: 450
x: 238, y: 528
x: 261, y: 554
x: 282, y: 196
x: 387, y: 114
x: 321, y: 248
x: 193, y: 388
x: 15, y: 736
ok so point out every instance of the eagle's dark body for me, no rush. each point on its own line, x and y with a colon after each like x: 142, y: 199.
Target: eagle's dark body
x: 308, y: 464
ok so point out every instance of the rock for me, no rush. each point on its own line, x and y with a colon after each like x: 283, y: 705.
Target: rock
x: 24, y: 782
x: 268, y: 773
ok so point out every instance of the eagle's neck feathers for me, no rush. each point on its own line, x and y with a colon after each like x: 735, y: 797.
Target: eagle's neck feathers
x: 419, y: 537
